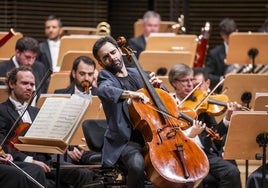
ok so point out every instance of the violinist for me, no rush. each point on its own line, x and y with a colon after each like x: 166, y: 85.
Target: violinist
x: 181, y: 77
x: 21, y: 83
x: 83, y: 73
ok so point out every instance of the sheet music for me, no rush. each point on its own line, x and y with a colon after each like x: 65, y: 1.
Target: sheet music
x: 58, y: 118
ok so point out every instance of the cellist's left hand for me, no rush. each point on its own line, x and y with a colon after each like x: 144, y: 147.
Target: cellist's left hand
x: 154, y: 80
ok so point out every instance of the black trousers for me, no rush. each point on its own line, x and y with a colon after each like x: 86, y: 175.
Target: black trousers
x: 10, y: 176
x: 133, y: 161
x: 226, y: 173
x: 255, y: 178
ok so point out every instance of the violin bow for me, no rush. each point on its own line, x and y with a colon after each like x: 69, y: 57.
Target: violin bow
x: 189, y: 94
x: 210, y: 93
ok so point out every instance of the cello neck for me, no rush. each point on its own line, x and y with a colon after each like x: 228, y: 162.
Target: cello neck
x: 153, y: 94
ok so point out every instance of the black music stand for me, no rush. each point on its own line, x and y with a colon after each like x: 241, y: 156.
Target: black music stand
x: 247, y: 137
x: 248, y: 48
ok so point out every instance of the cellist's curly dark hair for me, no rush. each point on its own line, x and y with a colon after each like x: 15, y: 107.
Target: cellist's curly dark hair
x: 11, y: 76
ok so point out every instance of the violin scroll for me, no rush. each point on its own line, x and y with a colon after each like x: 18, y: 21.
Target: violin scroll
x: 86, y: 85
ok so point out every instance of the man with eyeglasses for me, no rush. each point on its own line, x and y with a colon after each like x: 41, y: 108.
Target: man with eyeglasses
x: 225, y: 173
x: 26, y: 50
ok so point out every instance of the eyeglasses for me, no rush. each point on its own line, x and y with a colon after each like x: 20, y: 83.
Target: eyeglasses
x: 185, y: 81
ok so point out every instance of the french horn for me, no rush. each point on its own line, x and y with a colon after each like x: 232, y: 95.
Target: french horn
x: 103, y: 29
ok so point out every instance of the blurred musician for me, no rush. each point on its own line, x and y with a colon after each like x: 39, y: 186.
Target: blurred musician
x: 151, y: 24
x: 26, y: 50
x: 215, y: 64
x: 49, y: 49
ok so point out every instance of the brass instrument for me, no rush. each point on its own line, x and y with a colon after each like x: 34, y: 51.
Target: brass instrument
x: 179, y: 28
x: 103, y: 29
x: 10, y: 34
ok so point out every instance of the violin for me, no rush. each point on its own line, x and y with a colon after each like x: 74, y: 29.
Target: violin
x: 214, y: 105
x: 171, y: 158
x: 20, y: 130
x: 86, y: 85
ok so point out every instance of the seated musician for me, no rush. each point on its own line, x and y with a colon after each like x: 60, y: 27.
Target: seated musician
x: 20, y: 83
x: 151, y: 24
x: 83, y: 78
x: 26, y: 50
x: 215, y: 64
x: 117, y: 84
x: 181, y: 77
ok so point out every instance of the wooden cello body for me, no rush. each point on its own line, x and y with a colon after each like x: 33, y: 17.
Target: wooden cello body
x: 172, y: 160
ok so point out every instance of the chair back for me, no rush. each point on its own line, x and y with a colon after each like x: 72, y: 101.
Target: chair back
x: 94, y: 130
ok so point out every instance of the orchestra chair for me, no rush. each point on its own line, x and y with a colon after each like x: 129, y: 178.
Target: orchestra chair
x: 76, y: 42
x: 79, y: 30
x: 172, y: 43
x: 71, y: 55
x: 3, y: 93
x: 4, y: 59
x: 8, y: 49
x: 165, y: 60
x: 94, y: 111
x: 58, y: 80
x: 165, y: 27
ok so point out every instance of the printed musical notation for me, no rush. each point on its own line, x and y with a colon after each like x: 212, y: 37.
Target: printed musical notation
x: 58, y: 118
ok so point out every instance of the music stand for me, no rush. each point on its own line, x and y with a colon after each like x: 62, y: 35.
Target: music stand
x: 243, y: 87
x: 247, y: 48
x: 244, y: 128
x: 261, y: 102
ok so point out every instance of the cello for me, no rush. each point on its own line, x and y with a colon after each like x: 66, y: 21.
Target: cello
x: 172, y: 159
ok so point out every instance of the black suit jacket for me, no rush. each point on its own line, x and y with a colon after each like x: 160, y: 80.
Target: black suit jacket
x: 215, y: 65
x: 8, y: 116
x: 44, y: 55
x: 137, y: 44
x: 39, y: 71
